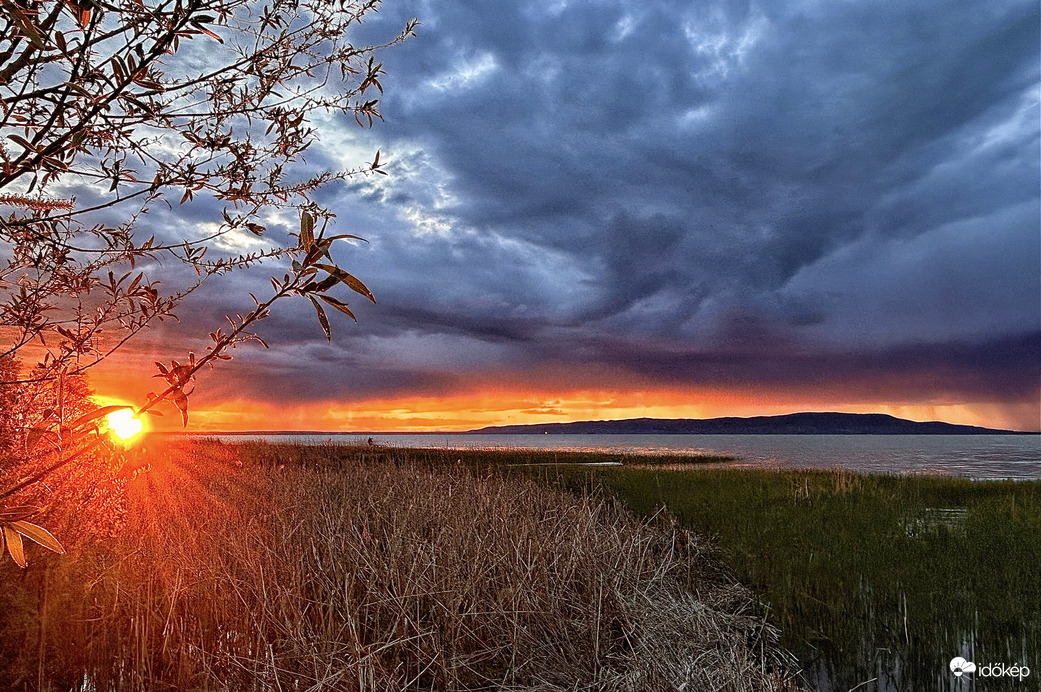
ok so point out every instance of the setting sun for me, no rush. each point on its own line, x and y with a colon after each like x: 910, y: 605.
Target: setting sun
x: 124, y: 423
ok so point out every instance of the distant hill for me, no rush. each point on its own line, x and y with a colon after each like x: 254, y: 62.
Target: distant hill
x: 790, y: 424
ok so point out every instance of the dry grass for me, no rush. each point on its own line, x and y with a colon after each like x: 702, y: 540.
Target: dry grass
x: 299, y: 570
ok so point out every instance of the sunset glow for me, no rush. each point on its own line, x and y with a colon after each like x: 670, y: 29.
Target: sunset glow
x: 350, y: 344
x: 463, y: 411
x: 763, y: 236
x: 124, y: 424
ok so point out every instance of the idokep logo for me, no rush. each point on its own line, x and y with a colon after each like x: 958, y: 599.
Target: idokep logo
x: 959, y: 666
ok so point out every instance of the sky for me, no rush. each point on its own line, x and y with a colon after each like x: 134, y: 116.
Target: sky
x: 603, y: 210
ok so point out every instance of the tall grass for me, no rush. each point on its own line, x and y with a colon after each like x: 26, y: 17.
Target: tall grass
x: 266, y: 567
x: 869, y: 577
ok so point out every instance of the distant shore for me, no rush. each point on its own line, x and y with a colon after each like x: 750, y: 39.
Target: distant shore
x: 827, y: 423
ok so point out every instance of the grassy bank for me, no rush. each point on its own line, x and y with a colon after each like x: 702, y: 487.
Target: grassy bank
x: 869, y: 577
x: 483, y: 459
x: 260, y: 567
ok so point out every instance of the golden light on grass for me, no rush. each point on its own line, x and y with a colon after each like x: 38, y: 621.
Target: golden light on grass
x: 124, y: 424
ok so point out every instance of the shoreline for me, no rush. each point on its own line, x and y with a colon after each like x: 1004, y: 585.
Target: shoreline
x: 978, y: 457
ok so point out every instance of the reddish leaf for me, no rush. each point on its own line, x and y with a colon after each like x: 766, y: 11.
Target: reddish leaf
x: 339, y: 305
x: 39, y: 535
x: 306, y: 230
x: 352, y: 282
x: 181, y: 402
x: 322, y: 318
x: 15, y: 512
x: 14, y: 545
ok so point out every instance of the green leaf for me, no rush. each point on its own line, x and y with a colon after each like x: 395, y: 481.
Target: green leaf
x: 14, y: 545
x: 339, y: 305
x: 39, y: 535
x: 77, y: 88
x: 323, y: 319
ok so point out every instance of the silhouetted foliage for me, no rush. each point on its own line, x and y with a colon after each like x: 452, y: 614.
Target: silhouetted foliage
x: 112, y: 109
x: 10, y: 426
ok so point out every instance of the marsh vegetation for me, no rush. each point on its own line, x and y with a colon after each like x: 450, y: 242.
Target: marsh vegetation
x: 273, y: 567
x: 259, y: 566
x: 880, y: 578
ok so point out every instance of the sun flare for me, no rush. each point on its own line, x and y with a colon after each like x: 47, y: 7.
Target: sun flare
x: 124, y: 423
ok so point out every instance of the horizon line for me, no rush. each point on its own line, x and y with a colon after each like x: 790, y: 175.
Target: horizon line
x: 558, y: 423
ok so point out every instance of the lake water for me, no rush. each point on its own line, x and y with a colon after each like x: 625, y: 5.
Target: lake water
x: 973, y: 456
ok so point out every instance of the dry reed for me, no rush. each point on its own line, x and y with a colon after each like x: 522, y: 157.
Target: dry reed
x: 290, y: 570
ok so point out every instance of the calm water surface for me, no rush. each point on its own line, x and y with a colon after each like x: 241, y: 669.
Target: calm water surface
x: 972, y: 456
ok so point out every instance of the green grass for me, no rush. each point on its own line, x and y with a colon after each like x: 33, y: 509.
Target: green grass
x: 477, y: 458
x: 866, y: 574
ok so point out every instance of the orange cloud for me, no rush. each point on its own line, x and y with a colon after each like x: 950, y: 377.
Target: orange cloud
x: 523, y: 399
x: 466, y: 411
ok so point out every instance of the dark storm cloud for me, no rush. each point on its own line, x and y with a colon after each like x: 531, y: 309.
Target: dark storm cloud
x: 808, y: 191
x: 925, y: 370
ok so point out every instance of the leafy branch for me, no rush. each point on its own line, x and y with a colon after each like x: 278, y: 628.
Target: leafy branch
x: 107, y: 114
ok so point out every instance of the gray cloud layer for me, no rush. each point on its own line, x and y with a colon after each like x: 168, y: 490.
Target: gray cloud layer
x: 696, y: 193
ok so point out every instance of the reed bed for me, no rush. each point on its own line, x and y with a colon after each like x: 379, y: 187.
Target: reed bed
x: 870, y: 577
x: 273, y: 567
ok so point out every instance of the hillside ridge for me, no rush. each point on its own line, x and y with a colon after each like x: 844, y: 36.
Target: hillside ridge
x: 809, y: 423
